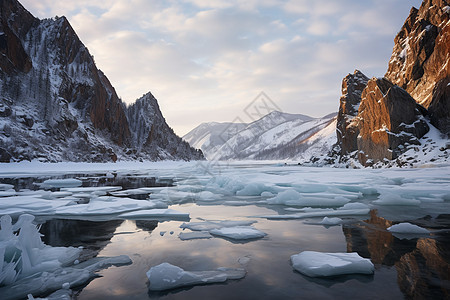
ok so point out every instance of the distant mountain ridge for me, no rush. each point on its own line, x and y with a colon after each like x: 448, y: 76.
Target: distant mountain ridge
x: 56, y: 105
x: 276, y: 135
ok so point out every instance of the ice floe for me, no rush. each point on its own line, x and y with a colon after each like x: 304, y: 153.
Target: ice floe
x: 349, y: 209
x: 239, y: 232
x: 331, y: 221
x: 166, y: 277
x: 155, y: 213
x: 61, y: 183
x: 293, y: 198
x: 319, y: 264
x: 210, y: 225
x: 232, y: 229
x: 28, y: 266
x: 407, y: 228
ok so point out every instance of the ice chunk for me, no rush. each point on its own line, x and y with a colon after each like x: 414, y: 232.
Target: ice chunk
x: 331, y: 221
x: 284, y: 197
x: 254, y: 189
x: 5, y: 187
x: 107, y: 206
x: 194, y: 235
x: 294, y: 198
x: 354, y: 206
x: 93, y: 189
x: 8, y: 193
x: 209, y: 225
x: 166, y: 276
x: 407, y: 228
x: 393, y: 199
x: 319, y: 264
x: 266, y: 194
x: 61, y: 183
x: 207, y: 195
x: 239, y: 232
x: 349, y: 209
x: 148, y: 213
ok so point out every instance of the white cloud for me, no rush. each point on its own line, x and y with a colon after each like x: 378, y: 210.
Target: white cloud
x: 206, y: 60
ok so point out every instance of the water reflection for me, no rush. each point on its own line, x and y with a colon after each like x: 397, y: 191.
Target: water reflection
x: 147, y: 225
x: 126, y: 181
x: 93, y: 236
x: 422, y: 264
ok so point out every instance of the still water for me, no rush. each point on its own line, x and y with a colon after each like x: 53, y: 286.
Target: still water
x: 411, y: 268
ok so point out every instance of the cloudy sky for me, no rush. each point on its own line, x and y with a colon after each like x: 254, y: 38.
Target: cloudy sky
x: 206, y: 60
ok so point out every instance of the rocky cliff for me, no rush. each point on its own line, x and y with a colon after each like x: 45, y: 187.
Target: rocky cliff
x: 420, y: 61
x: 56, y: 105
x: 382, y: 118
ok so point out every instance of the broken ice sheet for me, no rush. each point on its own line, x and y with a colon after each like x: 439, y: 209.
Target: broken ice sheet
x: 319, y: 264
x: 28, y: 266
x: 239, y: 233
x: 166, y: 277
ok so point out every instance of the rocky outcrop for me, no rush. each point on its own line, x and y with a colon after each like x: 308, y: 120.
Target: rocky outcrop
x: 420, y: 61
x: 152, y: 137
x: 388, y: 121
x: 56, y: 105
x: 379, y: 119
x: 347, y: 129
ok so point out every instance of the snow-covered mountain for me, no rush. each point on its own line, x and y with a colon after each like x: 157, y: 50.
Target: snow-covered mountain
x: 56, y: 105
x: 277, y: 135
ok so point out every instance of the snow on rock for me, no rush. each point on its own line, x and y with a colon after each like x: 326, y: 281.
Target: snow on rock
x: 166, y: 277
x: 407, y: 228
x: 319, y: 264
x: 239, y: 233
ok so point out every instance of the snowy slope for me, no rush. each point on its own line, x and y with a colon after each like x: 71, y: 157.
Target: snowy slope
x: 274, y: 136
x: 210, y: 136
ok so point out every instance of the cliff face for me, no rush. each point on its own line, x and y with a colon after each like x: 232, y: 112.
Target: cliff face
x: 420, y: 59
x: 54, y: 103
x: 152, y: 137
x: 347, y: 129
x: 382, y: 118
x: 389, y: 121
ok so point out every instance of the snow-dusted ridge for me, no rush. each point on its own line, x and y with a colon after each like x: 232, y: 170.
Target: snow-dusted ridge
x: 276, y: 135
x: 56, y: 105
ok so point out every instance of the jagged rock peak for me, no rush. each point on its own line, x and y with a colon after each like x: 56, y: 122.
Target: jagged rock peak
x: 420, y: 61
x: 347, y: 125
x: 389, y: 121
x: 56, y: 105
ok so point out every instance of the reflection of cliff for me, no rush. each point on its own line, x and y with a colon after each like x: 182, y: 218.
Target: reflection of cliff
x: 423, y: 265
x: 93, y: 236
x: 147, y: 225
x: 419, y: 269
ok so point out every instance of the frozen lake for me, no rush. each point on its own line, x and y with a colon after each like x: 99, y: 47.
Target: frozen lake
x: 251, y: 216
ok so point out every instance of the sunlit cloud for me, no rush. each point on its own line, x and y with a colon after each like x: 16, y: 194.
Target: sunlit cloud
x: 206, y: 60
